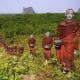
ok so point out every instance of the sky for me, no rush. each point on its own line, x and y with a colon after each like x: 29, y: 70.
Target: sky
x: 40, y: 6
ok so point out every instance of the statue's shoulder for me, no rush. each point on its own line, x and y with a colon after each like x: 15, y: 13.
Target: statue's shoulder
x: 75, y: 22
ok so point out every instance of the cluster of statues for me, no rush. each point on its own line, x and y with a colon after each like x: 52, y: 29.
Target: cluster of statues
x: 66, y: 42
x: 11, y: 49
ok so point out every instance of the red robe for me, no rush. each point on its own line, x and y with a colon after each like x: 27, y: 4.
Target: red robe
x: 12, y: 50
x: 31, y: 43
x: 47, y: 43
x: 67, y: 33
x: 78, y: 33
x: 20, y: 51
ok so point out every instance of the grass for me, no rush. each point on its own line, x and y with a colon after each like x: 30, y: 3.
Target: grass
x: 14, y: 68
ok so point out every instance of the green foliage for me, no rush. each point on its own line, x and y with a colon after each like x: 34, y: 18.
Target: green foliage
x: 30, y: 23
x: 11, y: 67
x: 26, y: 24
x: 9, y: 34
x: 16, y: 28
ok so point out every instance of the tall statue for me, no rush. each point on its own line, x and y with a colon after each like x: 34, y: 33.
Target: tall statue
x: 66, y: 42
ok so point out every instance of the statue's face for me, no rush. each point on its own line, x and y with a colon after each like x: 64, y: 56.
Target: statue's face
x: 47, y: 34
x: 31, y: 36
x: 69, y: 14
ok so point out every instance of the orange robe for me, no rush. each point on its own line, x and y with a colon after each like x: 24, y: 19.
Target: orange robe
x: 47, y: 41
x: 67, y: 33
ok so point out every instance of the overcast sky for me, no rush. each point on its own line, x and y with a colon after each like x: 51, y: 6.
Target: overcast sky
x: 40, y: 6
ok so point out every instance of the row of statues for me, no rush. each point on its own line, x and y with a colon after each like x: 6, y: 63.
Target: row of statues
x: 66, y: 42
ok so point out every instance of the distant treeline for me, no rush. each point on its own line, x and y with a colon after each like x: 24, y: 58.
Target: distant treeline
x: 26, y: 24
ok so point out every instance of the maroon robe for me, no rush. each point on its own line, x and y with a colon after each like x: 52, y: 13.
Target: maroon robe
x: 47, y: 43
x: 67, y: 33
x: 11, y: 50
x: 31, y: 43
x: 20, y: 51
